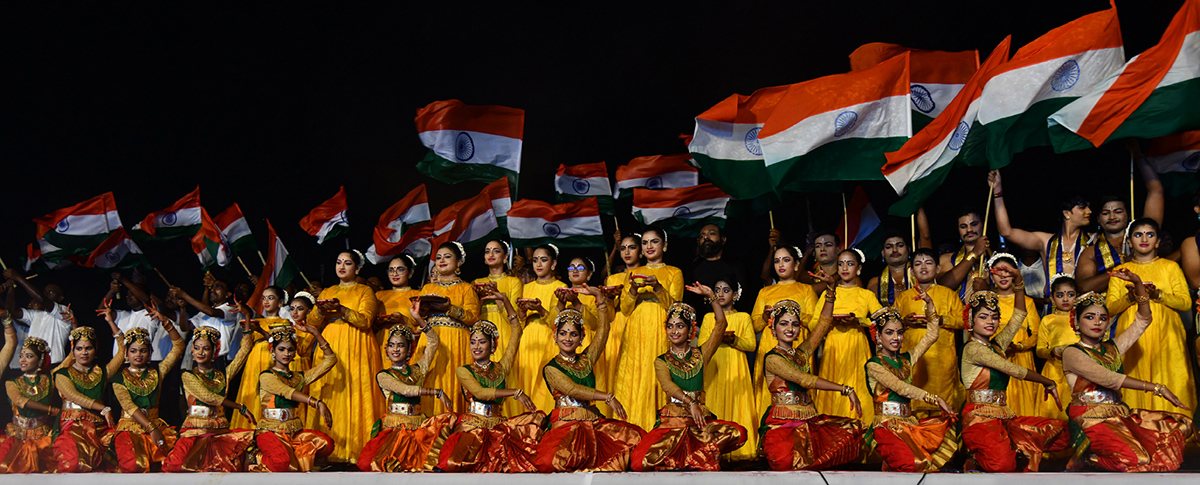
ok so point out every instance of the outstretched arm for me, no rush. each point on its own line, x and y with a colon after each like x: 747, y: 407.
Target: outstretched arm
x: 1025, y: 239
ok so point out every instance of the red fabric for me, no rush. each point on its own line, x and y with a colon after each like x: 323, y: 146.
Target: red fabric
x: 80, y: 447
x: 897, y: 456
x: 1144, y: 441
x: 816, y: 443
x: 278, y: 451
x: 994, y: 443
x: 990, y: 446
x: 690, y: 448
x: 26, y: 456
x: 587, y: 445
x: 509, y: 447
x: 223, y: 451
x: 130, y: 446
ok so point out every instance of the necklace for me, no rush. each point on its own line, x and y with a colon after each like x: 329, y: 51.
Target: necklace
x: 1093, y: 347
x: 984, y: 342
x: 35, y: 388
x: 212, y: 380
x: 483, y: 367
x: 680, y: 355
x: 85, y: 379
x: 786, y: 350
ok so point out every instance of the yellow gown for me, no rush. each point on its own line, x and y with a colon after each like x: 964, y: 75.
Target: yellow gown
x: 616, y: 327
x: 726, y: 376
x: 352, y: 397
x: 1026, y: 398
x: 645, y: 339
x: 537, y: 344
x: 591, y: 320
x: 937, y: 370
x: 846, y: 350
x: 1161, y: 354
x: 494, y: 312
x: 1055, y: 332
x: 395, y: 300
x: 800, y: 293
x: 260, y: 360
x: 454, y: 331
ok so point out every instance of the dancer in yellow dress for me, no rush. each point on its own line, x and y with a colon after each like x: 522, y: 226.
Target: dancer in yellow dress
x: 275, y: 311
x: 539, y: 305
x: 451, y: 321
x: 497, y: 256
x: 652, y: 289
x: 1024, y: 397
x: 786, y: 263
x: 727, y: 375
x: 579, y: 275
x: 1054, y: 336
x: 847, y: 347
x: 937, y: 371
x: 395, y: 302
x: 626, y: 255
x: 344, y: 317
x: 1160, y: 355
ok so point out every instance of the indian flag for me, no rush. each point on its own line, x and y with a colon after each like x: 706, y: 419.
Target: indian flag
x: 859, y: 223
x: 180, y: 219
x: 208, y: 244
x: 1177, y: 158
x: 501, y: 200
x: 117, y: 251
x: 726, y: 142
x: 656, y: 172
x: 465, y: 221
x: 279, y: 270
x: 80, y: 228
x: 1157, y: 93
x: 838, y: 127
x: 235, y: 230
x: 936, y: 77
x: 470, y: 142
x: 918, y: 168
x: 683, y: 210
x: 34, y: 263
x: 396, y: 229
x: 328, y: 220
x: 1044, y: 76
x: 573, y: 224
x: 589, y: 180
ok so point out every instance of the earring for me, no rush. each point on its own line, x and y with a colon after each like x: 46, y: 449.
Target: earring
x: 457, y: 271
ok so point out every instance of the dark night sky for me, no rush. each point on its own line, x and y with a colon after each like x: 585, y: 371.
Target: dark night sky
x: 275, y: 105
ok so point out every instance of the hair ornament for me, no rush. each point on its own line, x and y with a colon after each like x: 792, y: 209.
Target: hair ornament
x: 312, y: 300
x: 997, y: 256
x: 489, y: 330
x: 555, y: 248
x: 462, y: 252
x: 36, y: 344
x: 403, y: 331
x: 361, y: 257
x: 785, y: 306
x: 137, y: 335
x: 210, y: 334
x: 83, y: 333
x: 1056, y: 277
x: 569, y: 316
x: 980, y: 299
x: 862, y: 258
x: 280, y: 334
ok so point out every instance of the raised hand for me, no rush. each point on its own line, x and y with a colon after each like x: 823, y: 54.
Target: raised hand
x: 701, y: 290
x: 821, y: 277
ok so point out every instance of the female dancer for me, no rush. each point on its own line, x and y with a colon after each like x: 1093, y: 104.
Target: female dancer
x: 786, y: 263
x: 725, y: 378
x: 284, y: 445
x: 1056, y: 334
x: 1024, y: 397
x: 1120, y: 439
x: 629, y: 249
x: 579, y: 274
x: 394, y: 303
x: 406, y: 440
x: 847, y: 347
x: 580, y: 437
x: 937, y: 371
x: 906, y: 444
x: 26, y: 447
x: 143, y: 439
x: 451, y: 321
x: 688, y: 436
x: 484, y: 441
x: 83, y: 438
x: 992, y: 432
x: 496, y: 256
x: 653, y: 288
x: 275, y: 310
x: 1160, y: 355
x: 794, y: 436
x: 539, y: 305
x: 344, y: 319
x: 206, y: 444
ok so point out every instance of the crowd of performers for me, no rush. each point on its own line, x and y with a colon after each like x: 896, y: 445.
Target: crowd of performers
x: 520, y: 371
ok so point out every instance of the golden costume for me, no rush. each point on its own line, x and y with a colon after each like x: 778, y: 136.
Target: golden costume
x: 260, y: 360
x: 644, y: 340
x: 284, y: 445
x: 395, y: 300
x: 206, y: 443
x: 937, y: 371
x: 726, y: 377
x: 538, y: 342
x: 493, y: 311
x: 452, y: 330
x: 1055, y: 332
x: 84, y: 436
x: 846, y: 350
x: 26, y: 445
x: 793, y: 290
x: 139, y: 392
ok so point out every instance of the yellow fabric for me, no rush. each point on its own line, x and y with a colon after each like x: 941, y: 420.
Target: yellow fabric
x: 1026, y: 398
x: 645, y: 338
x: 269, y: 384
x: 1161, y: 354
x: 937, y: 371
x: 616, y: 327
x: 348, y: 390
x: 726, y: 376
x: 537, y: 344
x: 395, y: 300
x: 455, y: 347
x: 846, y: 351
x: 1055, y: 332
x: 800, y: 293
x: 493, y: 312
x: 260, y: 360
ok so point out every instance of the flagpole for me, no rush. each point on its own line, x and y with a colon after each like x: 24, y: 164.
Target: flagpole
x: 845, y: 223
x: 986, y: 214
x: 260, y: 257
x: 248, y: 273
x: 1132, y: 212
x: 2, y: 265
x: 771, y: 215
x: 160, y: 275
x: 912, y: 225
x: 309, y: 283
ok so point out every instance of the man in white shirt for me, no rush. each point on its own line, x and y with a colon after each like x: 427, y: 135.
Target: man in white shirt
x: 53, y: 325
x: 216, y: 311
x: 137, y: 317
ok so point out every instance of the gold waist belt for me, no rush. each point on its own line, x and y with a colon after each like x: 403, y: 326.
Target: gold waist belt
x: 484, y: 409
x: 569, y: 402
x: 1098, y: 396
x: 279, y: 414
x: 28, y: 423
x: 203, y: 412
x: 801, y: 398
x: 988, y: 396
x: 404, y: 409
x: 892, y: 408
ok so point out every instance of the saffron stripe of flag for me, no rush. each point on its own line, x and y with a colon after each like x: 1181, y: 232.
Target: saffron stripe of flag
x: 117, y: 251
x: 465, y: 221
x: 328, y: 220
x: 235, y: 229
x: 701, y: 201
x: 179, y: 219
x: 573, y: 224
x: 588, y: 180
x: 656, y: 172
x: 936, y: 76
x: 78, y: 229
x: 470, y: 142
x: 279, y: 270
x: 391, y: 235
x: 726, y: 142
x: 208, y: 244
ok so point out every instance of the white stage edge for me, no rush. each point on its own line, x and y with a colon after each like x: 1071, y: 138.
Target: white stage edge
x: 629, y: 478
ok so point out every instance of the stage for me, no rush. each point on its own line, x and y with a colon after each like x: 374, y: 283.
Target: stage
x: 628, y: 478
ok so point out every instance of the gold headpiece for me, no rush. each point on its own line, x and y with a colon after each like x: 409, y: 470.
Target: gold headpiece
x: 984, y: 298
x: 137, y: 335
x: 569, y: 316
x: 1088, y: 299
x: 36, y: 344
x: 488, y: 329
x: 403, y: 331
x: 682, y: 310
x: 786, y: 306
x: 210, y: 334
x: 83, y: 333
x: 885, y: 314
x: 280, y: 334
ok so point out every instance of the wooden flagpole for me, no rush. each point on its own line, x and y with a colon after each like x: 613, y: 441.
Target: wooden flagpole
x: 845, y: 223
x: 1131, y: 199
x: 239, y: 258
x: 2, y: 265
x: 771, y: 215
x: 261, y: 258
x: 986, y: 214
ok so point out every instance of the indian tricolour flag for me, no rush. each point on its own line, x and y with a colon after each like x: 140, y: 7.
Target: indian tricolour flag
x: 573, y: 224
x: 117, y: 251
x: 683, y: 210
x: 34, y: 263
x: 918, y: 168
x: 279, y: 269
x: 235, y: 230
x: 78, y: 229
x: 328, y: 220
x: 1177, y: 158
x: 180, y: 219
x: 1042, y: 77
x: 470, y: 142
x: 838, y: 127
x: 589, y: 180
x: 1157, y: 93
x: 208, y: 244
x: 936, y: 77
x: 656, y: 172
x: 501, y: 200
x: 726, y: 142
x: 465, y: 221
x: 398, y: 231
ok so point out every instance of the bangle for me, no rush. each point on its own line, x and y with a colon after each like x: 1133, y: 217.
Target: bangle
x: 108, y: 409
x: 1141, y: 299
x: 970, y: 256
x: 610, y: 397
x: 998, y: 196
x: 846, y: 390
x: 930, y: 398
x: 519, y: 393
x: 1158, y: 389
x: 1020, y: 287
